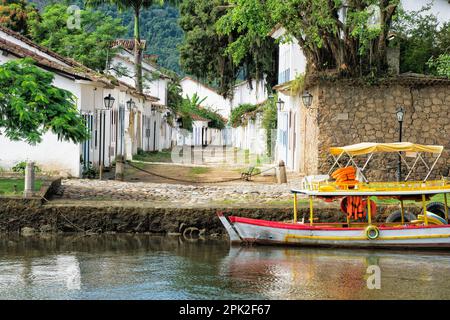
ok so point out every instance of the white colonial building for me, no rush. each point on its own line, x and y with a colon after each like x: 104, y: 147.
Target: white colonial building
x: 292, y: 64
x: 251, y: 136
x: 211, y: 99
x: 153, y: 132
x: 113, y: 131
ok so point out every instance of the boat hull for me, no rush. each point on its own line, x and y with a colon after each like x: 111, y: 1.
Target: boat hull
x: 278, y: 233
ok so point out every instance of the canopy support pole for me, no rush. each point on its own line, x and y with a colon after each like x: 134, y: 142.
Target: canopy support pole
x: 424, y: 205
x: 446, y: 206
x: 369, y: 211
x: 311, y: 211
x: 356, y: 166
x: 413, y: 167
x: 336, y: 162
x: 402, y: 211
x: 367, y: 162
x: 295, y: 208
x: 432, y: 167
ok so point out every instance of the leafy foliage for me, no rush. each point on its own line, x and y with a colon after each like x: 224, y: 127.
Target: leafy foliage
x: 136, y: 6
x: 159, y: 26
x: 352, y: 47
x: 297, y: 84
x: 21, y: 166
x: 186, y: 107
x: 215, y: 120
x: 204, y: 53
x: 192, y: 105
x: 270, y: 122
x: 177, y: 104
x: 88, y: 45
x: 238, y: 114
x: 17, y: 14
x: 421, y: 38
x: 30, y: 105
x: 441, y: 64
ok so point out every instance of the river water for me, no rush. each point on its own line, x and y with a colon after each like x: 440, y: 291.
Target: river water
x: 155, y: 267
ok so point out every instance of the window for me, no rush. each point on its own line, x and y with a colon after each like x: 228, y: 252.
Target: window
x: 285, y: 64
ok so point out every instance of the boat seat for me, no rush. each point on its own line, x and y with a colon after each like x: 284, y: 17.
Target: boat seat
x: 308, y: 181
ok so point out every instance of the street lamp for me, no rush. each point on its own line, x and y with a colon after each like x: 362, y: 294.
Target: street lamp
x: 400, y: 113
x: 109, y: 101
x: 166, y: 115
x: 307, y: 99
x: 280, y: 104
x: 180, y: 122
x: 130, y: 104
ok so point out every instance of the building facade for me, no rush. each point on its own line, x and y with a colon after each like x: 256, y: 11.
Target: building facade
x: 114, y: 132
x: 292, y: 66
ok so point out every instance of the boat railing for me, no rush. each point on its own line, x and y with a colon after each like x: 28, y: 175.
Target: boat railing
x: 322, y: 185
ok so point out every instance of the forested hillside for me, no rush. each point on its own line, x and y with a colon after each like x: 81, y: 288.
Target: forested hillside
x: 159, y: 26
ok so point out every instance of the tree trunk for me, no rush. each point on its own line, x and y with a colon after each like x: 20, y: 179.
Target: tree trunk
x: 137, y: 52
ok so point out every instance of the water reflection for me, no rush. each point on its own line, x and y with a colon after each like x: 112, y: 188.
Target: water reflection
x: 153, y: 267
x: 302, y: 273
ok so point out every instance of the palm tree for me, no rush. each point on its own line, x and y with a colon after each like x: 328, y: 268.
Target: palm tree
x: 137, y: 6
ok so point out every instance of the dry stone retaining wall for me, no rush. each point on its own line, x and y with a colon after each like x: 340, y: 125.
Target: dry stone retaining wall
x: 345, y: 113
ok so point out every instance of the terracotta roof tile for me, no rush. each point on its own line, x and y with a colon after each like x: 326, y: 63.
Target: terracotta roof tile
x: 75, y: 69
x: 21, y: 52
x: 43, y: 49
x: 128, y: 44
x: 196, y: 117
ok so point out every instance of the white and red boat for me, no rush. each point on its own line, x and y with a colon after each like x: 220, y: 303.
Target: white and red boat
x: 357, y: 196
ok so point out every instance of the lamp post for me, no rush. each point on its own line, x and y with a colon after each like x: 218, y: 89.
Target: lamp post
x: 130, y: 104
x: 307, y: 99
x: 400, y: 115
x: 180, y: 122
x: 280, y: 104
x: 109, y: 101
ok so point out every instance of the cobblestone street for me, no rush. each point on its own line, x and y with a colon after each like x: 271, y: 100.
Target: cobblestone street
x: 237, y: 193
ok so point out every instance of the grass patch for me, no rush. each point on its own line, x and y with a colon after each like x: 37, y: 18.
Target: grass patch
x: 285, y: 202
x: 154, y: 156
x: 436, y: 198
x: 245, y: 169
x: 198, y: 170
x: 13, y: 187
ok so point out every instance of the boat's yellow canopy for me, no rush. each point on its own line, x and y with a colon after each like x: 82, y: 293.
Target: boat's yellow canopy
x: 369, y: 147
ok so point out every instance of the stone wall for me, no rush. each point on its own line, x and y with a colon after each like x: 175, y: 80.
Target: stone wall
x: 349, y: 113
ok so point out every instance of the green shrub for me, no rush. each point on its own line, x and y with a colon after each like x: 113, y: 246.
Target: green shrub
x: 20, y: 168
x: 90, y: 172
x: 237, y: 114
x: 270, y: 122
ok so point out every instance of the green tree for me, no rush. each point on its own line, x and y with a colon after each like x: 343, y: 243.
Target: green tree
x: 440, y: 65
x: 238, y: 113
x: 204, y: 55
x: 30, y: 105
x: 352, y: 46
x: 137, y: 6
x: 270, y: 123
x: 194, y: 106
x: 89, y: 44
x: 159, y: 27
x: 421, y: 39
x: 17, y: 14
